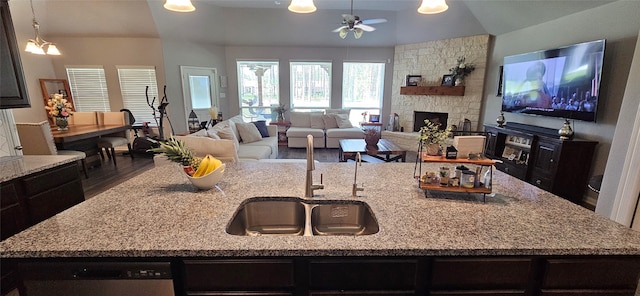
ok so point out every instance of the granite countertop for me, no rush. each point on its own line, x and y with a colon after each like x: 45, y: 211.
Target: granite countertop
x: 160, y: 214
x: 12, y: 167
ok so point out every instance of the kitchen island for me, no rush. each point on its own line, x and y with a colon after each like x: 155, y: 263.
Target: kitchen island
x: 528, y: 241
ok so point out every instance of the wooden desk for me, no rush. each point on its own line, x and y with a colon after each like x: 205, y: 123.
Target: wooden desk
x: 85, y: 138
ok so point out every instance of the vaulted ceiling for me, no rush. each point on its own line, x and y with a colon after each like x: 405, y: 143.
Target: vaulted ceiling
x: 269, y: 23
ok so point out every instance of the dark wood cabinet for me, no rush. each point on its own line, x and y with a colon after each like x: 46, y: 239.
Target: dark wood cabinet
x: 457, y: 275
x: 13, y: 90
x: 538, y: 156
x: 33, y: 198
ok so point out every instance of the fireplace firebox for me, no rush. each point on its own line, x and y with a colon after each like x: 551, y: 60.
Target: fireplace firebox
x: 436, y: 117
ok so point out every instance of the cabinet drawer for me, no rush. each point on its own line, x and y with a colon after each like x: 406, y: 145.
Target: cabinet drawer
x: 48, y: 203
x: 588, y: 293
x: 362, y: 274
x: 480, y: 274
x: 605, y: 273
x: 39, y: 182
x: 238, y: 274
x: 478, y: 293
x: 519, y: 172
x: 541, y: 182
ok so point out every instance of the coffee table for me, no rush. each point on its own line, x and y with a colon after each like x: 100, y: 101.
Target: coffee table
x: 385, y: 150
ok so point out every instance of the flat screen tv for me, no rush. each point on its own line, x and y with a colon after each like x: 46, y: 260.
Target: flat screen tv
x: 562, y: 82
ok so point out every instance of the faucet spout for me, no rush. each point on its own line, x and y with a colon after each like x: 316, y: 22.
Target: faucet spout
x: 309, y: 187
x: 355, y: 188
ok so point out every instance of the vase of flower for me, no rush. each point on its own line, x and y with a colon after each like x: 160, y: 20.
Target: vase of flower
x: 62, y: 123
x: 371, y: 137
x: 433, y: 149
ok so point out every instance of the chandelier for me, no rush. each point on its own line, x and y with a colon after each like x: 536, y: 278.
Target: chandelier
x: 37, y: 45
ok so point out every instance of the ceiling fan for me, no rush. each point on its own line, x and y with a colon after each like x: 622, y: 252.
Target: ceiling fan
x: 353, y: 23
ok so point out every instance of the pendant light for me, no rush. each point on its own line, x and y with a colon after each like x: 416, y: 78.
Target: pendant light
x: 37, y: 45
x: 302, y: 6
x: 432, y: 6
x: 179, y: 5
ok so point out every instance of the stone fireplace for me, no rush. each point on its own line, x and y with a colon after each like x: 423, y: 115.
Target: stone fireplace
x: 432, y: 60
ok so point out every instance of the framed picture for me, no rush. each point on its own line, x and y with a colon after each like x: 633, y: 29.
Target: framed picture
x: 499, y: 92
x: 413, y: 80
x: 374, y: 118
x: 447, y: 80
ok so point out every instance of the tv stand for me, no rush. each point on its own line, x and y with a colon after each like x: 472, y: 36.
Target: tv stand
x: 538, y: 156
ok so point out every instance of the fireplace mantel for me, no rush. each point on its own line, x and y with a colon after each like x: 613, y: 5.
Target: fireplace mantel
x: 432, y: 90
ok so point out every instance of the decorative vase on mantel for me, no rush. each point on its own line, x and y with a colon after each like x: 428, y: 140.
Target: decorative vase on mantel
x: 459, y: 81
x: 62, y: 123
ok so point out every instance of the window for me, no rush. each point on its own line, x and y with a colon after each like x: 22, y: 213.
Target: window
x: 362, y: 88
x: 310, y: 85
x: 258, y: 89
x: 89, y: 88
x: 134, y: 81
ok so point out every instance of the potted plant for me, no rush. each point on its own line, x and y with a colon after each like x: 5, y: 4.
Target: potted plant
x: 432, y: 137
x: 281, y: 110
x: 371, y: 137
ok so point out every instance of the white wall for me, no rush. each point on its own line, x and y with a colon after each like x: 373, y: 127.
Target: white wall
x: 618, y: 23
x: 620, y: 148
x: 181, y: 53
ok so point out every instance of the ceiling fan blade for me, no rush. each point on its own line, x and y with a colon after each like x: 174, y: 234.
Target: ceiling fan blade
x: 340, y: 28
x: 365, y: 28
x: 374, y: 21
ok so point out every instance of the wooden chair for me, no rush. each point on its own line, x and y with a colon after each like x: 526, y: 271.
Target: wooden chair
x: 109, y: 142
x: 37, y: 139
x: 84, y: 118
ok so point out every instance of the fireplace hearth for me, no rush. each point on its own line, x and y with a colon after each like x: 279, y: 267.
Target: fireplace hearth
x: 435, y: 117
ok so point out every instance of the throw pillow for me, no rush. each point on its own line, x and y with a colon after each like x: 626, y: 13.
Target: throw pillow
x: 225, y: 132
x: 343, y: 120
x: 199, y: 133
x: 316, y: 120
x: 329, y: 121
x: 248, y: 132
x: 262, y: 128
x: 300, y: 119
x: 213, y: 135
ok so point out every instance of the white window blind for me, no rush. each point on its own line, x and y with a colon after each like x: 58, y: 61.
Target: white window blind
x: 89, y: 88
x: 133, y: 85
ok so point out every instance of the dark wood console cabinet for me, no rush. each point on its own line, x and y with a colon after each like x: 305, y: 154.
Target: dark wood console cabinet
x: 538, y: 156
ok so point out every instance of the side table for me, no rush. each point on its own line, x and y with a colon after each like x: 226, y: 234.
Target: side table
x: 283, y: 126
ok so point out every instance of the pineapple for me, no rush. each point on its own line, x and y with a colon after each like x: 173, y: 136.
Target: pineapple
x: 176, y: 151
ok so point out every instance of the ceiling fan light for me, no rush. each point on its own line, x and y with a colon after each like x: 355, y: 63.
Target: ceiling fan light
x: 302, y: 6
x: 179, y: 5
x: 343, y: 33
x: 53, y: 50
x: 358, y: 33
x: 432, y: 6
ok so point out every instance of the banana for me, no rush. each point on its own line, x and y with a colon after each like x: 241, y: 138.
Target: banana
x: 204, y: 164
x: 215, y: 164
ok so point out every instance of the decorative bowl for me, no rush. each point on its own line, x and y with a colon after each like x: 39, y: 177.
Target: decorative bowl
x: 208, y: 181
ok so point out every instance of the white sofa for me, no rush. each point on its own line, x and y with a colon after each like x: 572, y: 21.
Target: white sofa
x: 219, y: 142
x: 327, y: 128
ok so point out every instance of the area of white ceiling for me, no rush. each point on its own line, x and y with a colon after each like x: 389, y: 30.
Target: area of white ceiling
x: 269, y: 23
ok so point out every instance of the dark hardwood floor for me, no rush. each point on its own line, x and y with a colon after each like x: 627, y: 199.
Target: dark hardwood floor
x: 107, y: 175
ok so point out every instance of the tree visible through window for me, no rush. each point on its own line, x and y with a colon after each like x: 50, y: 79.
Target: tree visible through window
x: 362, y: 88
x: 258, y: 89
x: 310, y: 85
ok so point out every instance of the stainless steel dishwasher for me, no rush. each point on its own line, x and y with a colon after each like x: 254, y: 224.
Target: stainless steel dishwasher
x: 97, y: 278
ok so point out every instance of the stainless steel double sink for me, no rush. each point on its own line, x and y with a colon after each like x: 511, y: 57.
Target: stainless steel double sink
x: 296, y: 216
